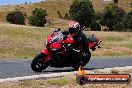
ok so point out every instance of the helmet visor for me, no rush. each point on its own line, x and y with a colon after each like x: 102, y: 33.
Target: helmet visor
x: 72, y: 30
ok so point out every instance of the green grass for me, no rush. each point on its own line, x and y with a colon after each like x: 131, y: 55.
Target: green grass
x: 129, y: 45
x: 59, y: 82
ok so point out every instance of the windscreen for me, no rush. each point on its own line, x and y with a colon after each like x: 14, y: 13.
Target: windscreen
x: 57, y: 37
x: 92, y: 38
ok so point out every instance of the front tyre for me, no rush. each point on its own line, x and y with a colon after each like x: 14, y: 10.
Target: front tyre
x: 37, y: 64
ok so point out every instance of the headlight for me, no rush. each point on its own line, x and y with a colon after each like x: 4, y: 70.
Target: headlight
x: 46, y: 42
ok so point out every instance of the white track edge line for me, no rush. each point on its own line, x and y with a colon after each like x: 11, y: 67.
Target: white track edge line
x: 55, y: 74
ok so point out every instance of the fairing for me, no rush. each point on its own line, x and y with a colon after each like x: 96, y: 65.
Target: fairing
x: 92, y: 41
x: 45, y: 52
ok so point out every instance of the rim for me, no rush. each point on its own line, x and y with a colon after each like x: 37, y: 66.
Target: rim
x: 39, y: 64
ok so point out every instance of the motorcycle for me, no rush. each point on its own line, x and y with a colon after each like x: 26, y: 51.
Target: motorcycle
x: 59, y: 52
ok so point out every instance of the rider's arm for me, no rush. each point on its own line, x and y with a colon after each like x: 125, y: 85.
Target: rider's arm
x: 65, y: 32
x: 84, y: 42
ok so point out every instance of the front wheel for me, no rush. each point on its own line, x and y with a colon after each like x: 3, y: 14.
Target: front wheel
x: 37, y: 64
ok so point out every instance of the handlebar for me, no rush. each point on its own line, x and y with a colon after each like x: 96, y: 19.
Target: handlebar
x: 56, y: 30
x: 83, y: 28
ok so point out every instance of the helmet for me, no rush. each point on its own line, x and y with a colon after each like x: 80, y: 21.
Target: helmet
x: 74, y: 27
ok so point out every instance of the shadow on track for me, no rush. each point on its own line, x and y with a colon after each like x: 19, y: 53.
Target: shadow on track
x: 66, y: 70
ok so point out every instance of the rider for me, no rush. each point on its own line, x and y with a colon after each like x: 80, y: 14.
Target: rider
x: 78, y: 36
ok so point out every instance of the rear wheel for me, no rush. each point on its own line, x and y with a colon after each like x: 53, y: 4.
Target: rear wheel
x: 37, y: 64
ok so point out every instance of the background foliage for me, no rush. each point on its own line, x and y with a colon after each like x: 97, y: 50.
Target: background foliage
x: 38, y: 17
x: 15, y: 17
x: 82, y: 11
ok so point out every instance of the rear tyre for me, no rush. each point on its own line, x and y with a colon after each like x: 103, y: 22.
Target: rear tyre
x: 37, y: 64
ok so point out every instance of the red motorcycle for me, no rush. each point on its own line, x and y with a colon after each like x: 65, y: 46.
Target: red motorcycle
x: 59, y: 52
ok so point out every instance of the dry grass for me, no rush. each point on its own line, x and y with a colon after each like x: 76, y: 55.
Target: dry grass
x: 114, y: 43
x: 21, y: 41
x: 52, y: 6
x: 60, y: 82
x: 26, y: 41
x: 100, y: 4
x: 68, y: 81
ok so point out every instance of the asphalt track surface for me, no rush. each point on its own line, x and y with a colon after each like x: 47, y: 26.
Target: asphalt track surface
x: 17, y: 68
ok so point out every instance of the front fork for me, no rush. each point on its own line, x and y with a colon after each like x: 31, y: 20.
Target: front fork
x: 47, y: 54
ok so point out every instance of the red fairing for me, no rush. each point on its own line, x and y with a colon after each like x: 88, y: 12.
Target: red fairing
x: 69, y: 40
x: 47, y: 58
x: 93, y: 44
x: 45, y: 52
x: 48, y: 40
x: 98, y: 38
x: 56, y: 45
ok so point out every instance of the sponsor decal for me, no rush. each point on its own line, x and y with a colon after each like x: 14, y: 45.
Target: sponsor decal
x: 83, y: 78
